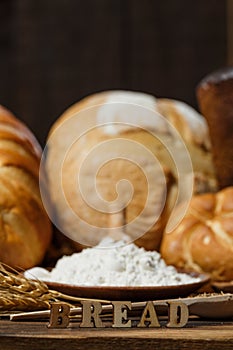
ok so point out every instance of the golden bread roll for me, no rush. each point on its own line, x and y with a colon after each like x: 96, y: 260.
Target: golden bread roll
x: 215, y: 98
x: 25, y: 229
x: 64, y: 150
x: 203, y: 241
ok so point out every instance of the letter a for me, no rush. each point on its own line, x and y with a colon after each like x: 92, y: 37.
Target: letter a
x: 149, y: 315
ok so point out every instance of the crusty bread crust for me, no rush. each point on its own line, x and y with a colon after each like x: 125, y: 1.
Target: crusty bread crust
x: 203, y: 241
x: 25, y: 230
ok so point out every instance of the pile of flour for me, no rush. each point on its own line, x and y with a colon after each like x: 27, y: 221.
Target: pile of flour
x: 113, y: 264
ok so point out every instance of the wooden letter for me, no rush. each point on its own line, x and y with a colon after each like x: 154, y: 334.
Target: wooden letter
x: 120, y: 314
x: 59, y: 315
x: 178, y: 314
x: 149, y: 315
x: 91, y: 314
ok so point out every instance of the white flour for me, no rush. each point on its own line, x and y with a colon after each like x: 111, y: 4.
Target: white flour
x: 118, y: 265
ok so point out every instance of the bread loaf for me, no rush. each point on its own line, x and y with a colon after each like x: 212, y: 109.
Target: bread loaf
x: 215, y: 98
x: 203, y: 241
x: 195, y: 133
x: 109, y: 106
x: 25, y: 229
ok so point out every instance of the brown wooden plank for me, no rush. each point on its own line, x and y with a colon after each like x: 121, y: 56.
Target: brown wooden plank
x: 37, y: 336
x: 174, y: 44
x: 64, y: 53
x: 230, y: 32
x: 54, y: 53
x: 6, y: 11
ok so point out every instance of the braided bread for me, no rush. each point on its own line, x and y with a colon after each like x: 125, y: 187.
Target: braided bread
x: 203, y: 241
x: 25, y: 229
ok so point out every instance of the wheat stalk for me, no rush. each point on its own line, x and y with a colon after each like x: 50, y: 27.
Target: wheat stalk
x: 22, y: 294
x: 19, y: 293
x: 9, y: 302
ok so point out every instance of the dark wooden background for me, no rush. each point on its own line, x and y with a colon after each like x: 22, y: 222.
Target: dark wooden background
x: 54, y: 52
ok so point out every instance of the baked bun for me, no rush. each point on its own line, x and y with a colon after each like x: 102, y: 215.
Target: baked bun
x: 215, y: 98
x: 203, y: 241
x: 107, y: 108
x: 25, y: 229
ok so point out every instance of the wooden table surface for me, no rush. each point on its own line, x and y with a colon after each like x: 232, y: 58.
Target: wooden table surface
x: 196, y: 336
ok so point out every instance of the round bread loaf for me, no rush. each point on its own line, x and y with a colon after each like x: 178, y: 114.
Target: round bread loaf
x: 203, y: 241
x: 68, y: 151
x: 25, y: 229
x: 215, y: 98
